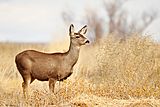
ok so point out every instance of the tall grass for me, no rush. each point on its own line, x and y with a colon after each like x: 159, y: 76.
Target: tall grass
x: 127, y: 71
x: 127, y: 68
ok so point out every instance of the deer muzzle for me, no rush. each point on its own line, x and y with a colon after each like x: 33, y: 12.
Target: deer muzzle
x: 87, y: 41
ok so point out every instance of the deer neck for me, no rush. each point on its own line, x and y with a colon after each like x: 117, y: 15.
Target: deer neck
x: 72, y: 54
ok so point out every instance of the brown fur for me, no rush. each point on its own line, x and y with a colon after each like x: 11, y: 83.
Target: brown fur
x: 50, y: 67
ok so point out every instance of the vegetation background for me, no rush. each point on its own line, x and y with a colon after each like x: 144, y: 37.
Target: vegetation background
x: 108, y: 73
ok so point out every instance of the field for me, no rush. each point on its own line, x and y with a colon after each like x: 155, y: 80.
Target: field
x: 109, y: 73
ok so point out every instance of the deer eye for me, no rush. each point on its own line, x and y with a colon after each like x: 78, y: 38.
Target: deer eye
x: 77, y: 37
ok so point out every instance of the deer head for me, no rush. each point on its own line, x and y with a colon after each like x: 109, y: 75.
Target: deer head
x: 78, y: 39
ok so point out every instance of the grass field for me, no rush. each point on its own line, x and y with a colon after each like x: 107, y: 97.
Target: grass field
x: 109, y: 73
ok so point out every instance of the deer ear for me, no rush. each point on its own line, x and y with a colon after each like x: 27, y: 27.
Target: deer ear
x: 71, y: 30
x: 83, y: 30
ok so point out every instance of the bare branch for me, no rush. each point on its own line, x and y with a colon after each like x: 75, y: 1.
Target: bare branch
x: 118, y: 20
x: 67, y: 17
x: 95, y: 23
x: 147, y: 18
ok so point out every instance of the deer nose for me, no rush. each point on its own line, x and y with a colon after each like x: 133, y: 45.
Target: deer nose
x: 87, y: 41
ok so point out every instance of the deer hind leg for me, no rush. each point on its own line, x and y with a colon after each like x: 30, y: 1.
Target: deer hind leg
x: 27, y: 80
x: 52, y: 84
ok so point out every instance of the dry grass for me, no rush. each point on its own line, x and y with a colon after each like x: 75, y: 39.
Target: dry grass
x: 110, y: 73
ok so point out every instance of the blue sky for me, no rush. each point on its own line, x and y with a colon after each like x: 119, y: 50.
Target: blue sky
x: 40, y: 20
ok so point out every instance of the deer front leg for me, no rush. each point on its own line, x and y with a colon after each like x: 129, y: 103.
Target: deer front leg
x: 51, y: 84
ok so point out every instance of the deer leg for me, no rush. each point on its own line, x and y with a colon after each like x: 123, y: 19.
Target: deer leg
x: 51, y: 84
x: 25, y: 84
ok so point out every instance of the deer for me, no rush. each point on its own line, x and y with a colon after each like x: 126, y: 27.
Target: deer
x: 51, y: 67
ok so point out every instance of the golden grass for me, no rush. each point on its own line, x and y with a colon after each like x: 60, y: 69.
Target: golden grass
x: 110, y: 73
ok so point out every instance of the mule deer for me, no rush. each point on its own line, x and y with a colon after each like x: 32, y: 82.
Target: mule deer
x: 50, y: 67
